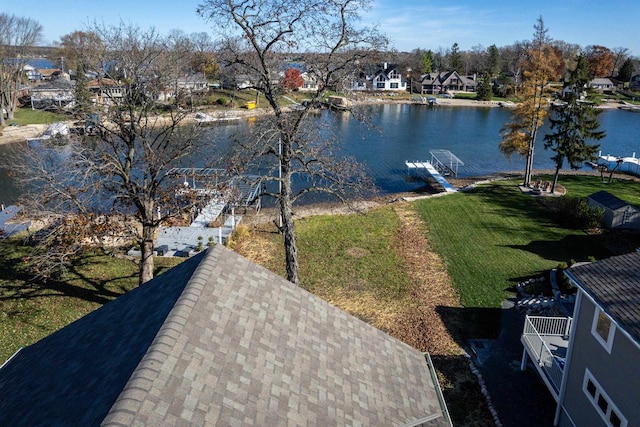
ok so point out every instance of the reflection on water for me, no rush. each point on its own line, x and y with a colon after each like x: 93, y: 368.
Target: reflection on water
x: 401, y: 132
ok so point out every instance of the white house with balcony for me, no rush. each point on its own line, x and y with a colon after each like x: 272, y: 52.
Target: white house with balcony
x: 589, y: 361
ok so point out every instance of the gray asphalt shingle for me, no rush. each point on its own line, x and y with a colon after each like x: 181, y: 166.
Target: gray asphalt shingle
x: 614, y: 283
x: 240, y: 346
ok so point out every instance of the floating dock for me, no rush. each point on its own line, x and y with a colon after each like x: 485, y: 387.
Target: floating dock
x: 627, y: 164
x: 442, y: 162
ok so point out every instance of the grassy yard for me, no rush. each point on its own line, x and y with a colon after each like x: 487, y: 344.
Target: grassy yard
x: 494, y: 236
x: 30, y: 311
x: 25, y: 116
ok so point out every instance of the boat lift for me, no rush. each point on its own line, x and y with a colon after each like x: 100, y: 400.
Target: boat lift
x: 445, y: 162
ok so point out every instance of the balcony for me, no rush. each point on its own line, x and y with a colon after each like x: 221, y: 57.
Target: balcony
x: 545, y: 341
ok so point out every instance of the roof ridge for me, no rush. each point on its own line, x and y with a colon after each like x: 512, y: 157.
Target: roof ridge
x: 134, y: 392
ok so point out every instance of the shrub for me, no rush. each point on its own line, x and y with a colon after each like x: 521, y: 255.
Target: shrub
x: 575, y: 212
x: 222, y: 101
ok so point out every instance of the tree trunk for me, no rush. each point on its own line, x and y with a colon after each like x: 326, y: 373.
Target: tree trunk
x: 288, y: 226
x: 555, y: 178
x: 146, y: 259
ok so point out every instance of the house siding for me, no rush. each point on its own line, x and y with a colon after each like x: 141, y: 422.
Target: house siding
x: 616, y: 373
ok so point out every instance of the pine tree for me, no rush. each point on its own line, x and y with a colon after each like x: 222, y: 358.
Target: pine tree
x: 484, y: 91
x: 574, y: 123
x: 83, y: 96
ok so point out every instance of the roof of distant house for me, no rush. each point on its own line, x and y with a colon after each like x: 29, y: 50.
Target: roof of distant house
x: 219, y: 340
x: 614, y: 283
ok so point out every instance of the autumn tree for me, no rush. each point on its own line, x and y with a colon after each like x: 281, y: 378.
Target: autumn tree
x: 117, y: 181
x: 17, y: 36
x: 292, y: 80
x: 600, y: 59
x: 255, y: 34
x: 541, y: 67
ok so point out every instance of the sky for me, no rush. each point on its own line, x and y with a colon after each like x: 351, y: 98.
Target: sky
x: 409, y: 24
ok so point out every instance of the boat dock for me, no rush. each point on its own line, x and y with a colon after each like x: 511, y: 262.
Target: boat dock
x: 442, y: 162
x: 224, y: 195
x: 626, y: 164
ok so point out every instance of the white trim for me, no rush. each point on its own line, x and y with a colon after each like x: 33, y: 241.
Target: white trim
x: 600, y: 393
x: 608, y: 343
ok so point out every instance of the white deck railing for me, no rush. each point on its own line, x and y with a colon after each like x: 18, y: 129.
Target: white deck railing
x: 536, y: 329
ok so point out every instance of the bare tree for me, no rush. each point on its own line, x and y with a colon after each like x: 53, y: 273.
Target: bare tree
x: 17, y: 36
x: 96, y: 185
x: 260, y: 33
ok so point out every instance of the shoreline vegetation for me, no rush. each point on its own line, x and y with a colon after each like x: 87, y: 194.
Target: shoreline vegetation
x: 12, y: 134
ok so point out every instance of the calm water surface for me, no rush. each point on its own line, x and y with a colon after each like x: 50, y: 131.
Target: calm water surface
x: 403, y: 132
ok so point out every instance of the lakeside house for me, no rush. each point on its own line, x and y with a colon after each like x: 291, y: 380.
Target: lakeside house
x: 589, y: 360
x: 602, y: 84
x: 435, y: 83
x: 219, y: 340
x: 387, y: 78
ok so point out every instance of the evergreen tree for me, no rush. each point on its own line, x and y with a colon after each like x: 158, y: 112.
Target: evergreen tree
x: 574, y: 123
x: 626, y: 71
x: 484, y: 92
x: 494, y: 62
x: 426, y: 62
x: 455, y: 59
x: 82, y: 94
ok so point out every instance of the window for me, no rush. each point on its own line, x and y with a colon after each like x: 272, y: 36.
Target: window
x: 394, y: 85
x: 380, y: 85
x: 603, y: 329
x: 602, y: 402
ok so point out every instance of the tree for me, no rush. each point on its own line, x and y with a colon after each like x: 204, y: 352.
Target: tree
x: 257, y: 33
x: 541, y: 66
x: 79, y: 48
x: 484, y: 91
x: 292, y: 80
x: 120, y: 177
x: 426, y: 62
x: 626, y: 71
x: 494, y: 61
x: 17, y: 36
x: 83, y: 102
x: 600, y: 59
x: 574, y: 124
x: 455, y: 59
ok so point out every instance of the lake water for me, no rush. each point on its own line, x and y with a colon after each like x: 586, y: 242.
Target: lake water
x: 407, y: 132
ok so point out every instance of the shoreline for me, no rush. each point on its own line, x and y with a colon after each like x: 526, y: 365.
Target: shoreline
x: 13, y: 134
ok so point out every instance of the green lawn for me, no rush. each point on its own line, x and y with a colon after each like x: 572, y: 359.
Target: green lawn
x: 494, y: 236
x: 26, y: 116
x: 30, y: 310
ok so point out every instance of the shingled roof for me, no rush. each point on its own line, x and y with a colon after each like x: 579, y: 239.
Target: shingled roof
x: 219, y: 340
x: 608, y: 200
x: 614, y: 284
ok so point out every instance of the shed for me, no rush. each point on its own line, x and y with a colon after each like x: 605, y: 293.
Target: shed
x: 617, y: 212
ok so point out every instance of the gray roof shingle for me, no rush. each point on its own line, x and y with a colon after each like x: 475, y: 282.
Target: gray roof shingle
x: 614, y: 283
x: 608, y: 200
x: 240, y: 346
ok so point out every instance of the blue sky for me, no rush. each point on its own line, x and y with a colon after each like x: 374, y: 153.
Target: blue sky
x: 409, y: 24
